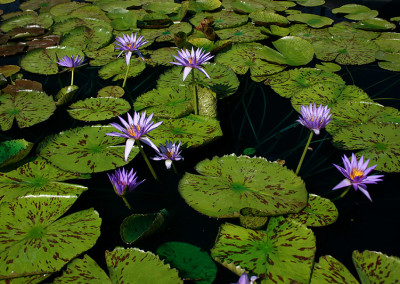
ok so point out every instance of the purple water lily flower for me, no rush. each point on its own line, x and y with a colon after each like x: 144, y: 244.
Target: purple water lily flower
x: 356, y: 174
x: 315, y: 118
x: 192, y: 60
x: 130, y: 43
x: 168, y: 153
x: 124, y: 181
x: 135, y: 129
x: 244, y: 279
x: 71, y: 62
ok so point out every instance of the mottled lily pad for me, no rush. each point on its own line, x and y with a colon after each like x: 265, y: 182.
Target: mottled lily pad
x: 375, y: 24
x: 12, y: 151
x: 228, y: 184
x: 111, y: 91
x: 27, y: 107
x: 97, y: 109
x: 162, y: 56
x: 192, y: 262
x: 86, y: 150
x: 35, y: 177
x: 378, y: 142
x: 223, y: 80
x: 22, y: 21
x: 137, y: 227
x: 102, y: 56
x: 65, y: 94
x: 290, y: 83
x: 311, y: 20
x: 208, y: 45
x: 33, y: 241
x: 349, y: 30
x: 170, y: 102
x: 44, y: 60
x: 318, y: 212
x: 43, y: 5
x: 266, y: 18
x: 222, y: 19
x: 330, y: 270
x: 137, y: 267
x: 167, y: 34
x: 283, y: 253
x: 191, y: 130
x: 8, y: 70
x: 245, y: 33
x: 117, y: 69
x: 308, y: 33
x: 355, y: 112
x: 328, y: 66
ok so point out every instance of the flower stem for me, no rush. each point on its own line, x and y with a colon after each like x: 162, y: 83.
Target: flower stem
x: 173, y: 166
x: 343, y: 194
x: 72, y: 76
x: 126, y: 74
x: 304, y: 152
x: 147, y: 160
x: 126, y: 202
x: 196, y: 112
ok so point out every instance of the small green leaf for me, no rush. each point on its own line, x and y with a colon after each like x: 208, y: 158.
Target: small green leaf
x: 65, y: 95
x: 111, y: 91
x: 12, y: 151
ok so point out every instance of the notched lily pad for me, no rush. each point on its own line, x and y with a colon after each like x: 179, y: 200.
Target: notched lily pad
x: 12, y: 151
x: 330, y: 270
x: 311, y: 20
x: 228, y: 184
x: 111, y: 91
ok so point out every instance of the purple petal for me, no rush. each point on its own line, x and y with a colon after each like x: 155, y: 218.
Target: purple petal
x: 128, y: 147
x: 343, y: 183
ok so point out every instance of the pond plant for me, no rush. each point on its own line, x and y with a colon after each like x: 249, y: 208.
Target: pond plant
x: 237, y: 209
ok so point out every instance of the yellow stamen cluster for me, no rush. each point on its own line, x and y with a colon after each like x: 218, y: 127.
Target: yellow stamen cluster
x: 132, y: 128
x: 356, y: 173
x: 190, y: 59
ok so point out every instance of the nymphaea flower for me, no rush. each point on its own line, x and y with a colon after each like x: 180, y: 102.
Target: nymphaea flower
x: 130, y: 43
x: 244, y: 279
x: 168, y: 153
x: 135, y: 128
x: 192, y: 60
x: 124, y: 181
x: 71, y: 62
x: 314, y: 118
x: 356, y: 173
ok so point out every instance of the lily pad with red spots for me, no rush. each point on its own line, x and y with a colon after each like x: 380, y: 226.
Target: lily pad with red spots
x: 308, y: 33
x: 33, y: 238
x: 330, y: 270
x: 86, y: 149
x: 111, y: 91
x: 12, y: 151
x: 284, y: 253
x: 228, y: 184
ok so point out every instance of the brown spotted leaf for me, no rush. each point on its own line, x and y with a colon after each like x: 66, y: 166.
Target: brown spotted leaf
x: 329, y: 270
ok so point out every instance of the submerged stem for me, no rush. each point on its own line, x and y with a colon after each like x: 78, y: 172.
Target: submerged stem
x: 304, y: 152
x: 126, y: 74
x: 196, y: 112
x: 147, y: 160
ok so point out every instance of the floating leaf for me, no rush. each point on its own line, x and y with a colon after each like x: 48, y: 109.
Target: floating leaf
x: 318, y: 212
x: 228, y: 184
x: 192, y: 262
x: 245, y: 33
x: 137, y: 267
x: 266, y: 18
x: 310, y: 3
x: 170, y: 102
x: 96, y: 109
x: 162, y: 7
x: 223, y: 80
x: 28, y: 107
x: 284, y: 253
x: 44, y: 60
x: 33, y: 241
x: 311, y: 20
x: 12, y: 151
x: 192, y: 130
x: 86, y: 150
x: 207, y: 102
x: 290, y: 83
x: 8, y: 70
x: 245, y: 7
x: 378, y: 142
x: 117, y: 69
x: 111, y: 91
x: 43, y: 5
x: 253, y: 219
x: 276, y: 30
x: 356, y: 12
x: 36, y: 177
x: 162, y: 56
x: 102, y: 56
x: 22, y: 21
x: 222, y: 19
x: 350, y: 31
x: 329, y: 270
x: 204, y: 5
x: 328, y: 66
x: 66, y: 94
x: 137, y: 227
x: 375, y: 24
x: 308, y: 33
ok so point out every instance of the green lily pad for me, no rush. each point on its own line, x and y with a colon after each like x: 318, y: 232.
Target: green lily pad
x: 44, y: 60
x: 388, y: 65
x: 354, y: 112
x: 311, y: 20
x: 308, y: 33
x: 111, y: 91
x: 43, y: 5
x: 253, y: 219
x: 162, y: 56
x: 349, y: 30
x: 356, y: 12
x: 192, y: 262
x: 223, y: 80
x: 378, y: 142
x: 245, y: 7
x: 33, y: 279
x: 84, y: 38
x: 102, y: 56
x: 154, y: 21
x: 97, y: 109
x: 245, y: 33
x: 376, y: 267
x: 36, y: 177
x: 137, y: 227
x: 12, y: 151
x: 318, y: 212
x: 137, y: 267
x: 330, y: 94
x: 162, y: 7
x: 346, y: 51
x: 375, y: 24
x: 290, y: 83
x: 109, y: 5
x: 280, y: 6
x: 22, y: 21
x: 192, y: 130
x: 35, y: 241
x: 207, y: 102
x: 266, y: 18
x: 204, y: 5
x: 66, y: 8
x: 276, y: 30
x: 28, y: 107
x: 8, y: 70
x: 222, y: 19
x: 388, y: 45
x: 117, y: 69
x: 66, y: 94
x: 208, y: 45
x: 83, y: 270
x: 283, y: 253
x: 330, y: 270
x: 310, y: 3
x: 123, y: 19
x: 86, y: 150
x: 228, y: 184
x: 90, y: 11
x: 328, y: 66
x: 170, y: 102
